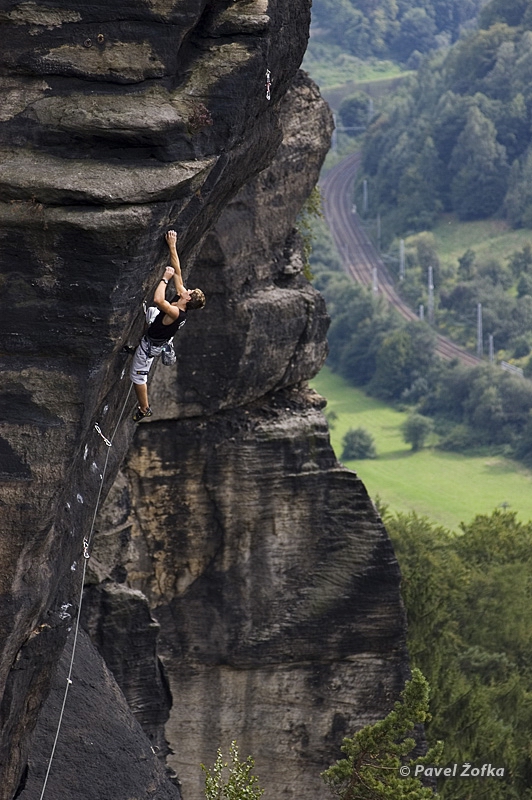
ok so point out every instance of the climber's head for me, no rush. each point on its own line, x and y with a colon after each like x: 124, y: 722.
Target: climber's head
x: 196, y: 299
x: 188, y: 300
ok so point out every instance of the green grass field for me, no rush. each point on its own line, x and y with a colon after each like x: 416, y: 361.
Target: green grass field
x: 492, y: 237
x: 446, y: 487
x: 331, y: 68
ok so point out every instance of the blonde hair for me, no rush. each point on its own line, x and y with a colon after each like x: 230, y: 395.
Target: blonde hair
x: 197, y: 299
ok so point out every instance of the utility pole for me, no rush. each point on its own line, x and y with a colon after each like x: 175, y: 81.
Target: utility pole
x: 492, y: 352
x: 365, y: 200
x: 421, y: 312
x: 334, y: 137
x: 375, y: 280
x: 379, y: 231
x: 370, y: 110
x: 402, y: 260
x: 480, y: 348
x: 431, y: 296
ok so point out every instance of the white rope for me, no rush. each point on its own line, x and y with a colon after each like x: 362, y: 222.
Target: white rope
x: 86, y: 554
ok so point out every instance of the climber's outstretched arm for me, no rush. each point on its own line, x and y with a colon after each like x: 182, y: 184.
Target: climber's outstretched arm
x: 159, y: 298
x: 171, y: 241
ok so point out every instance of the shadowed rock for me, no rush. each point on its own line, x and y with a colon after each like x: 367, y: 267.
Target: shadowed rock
x: 116, y: 123
x: 101, y: 751
x: 263, y: 560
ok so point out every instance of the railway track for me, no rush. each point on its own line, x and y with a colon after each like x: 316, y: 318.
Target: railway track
x: 358, y: 253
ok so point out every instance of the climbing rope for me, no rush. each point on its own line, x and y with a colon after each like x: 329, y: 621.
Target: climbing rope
x: 86, y: 555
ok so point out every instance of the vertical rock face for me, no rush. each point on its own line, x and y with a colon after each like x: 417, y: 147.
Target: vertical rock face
x: 103, y: 752
x: 274, y: 584
x: 117, y: 121
x: 263, y: 561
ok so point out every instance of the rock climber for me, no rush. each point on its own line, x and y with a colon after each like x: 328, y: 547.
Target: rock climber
x: 171, y: 316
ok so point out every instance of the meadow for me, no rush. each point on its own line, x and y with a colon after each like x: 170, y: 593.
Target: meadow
x: 488, y: 237
x: 448, y: 488
x: 331, y: 68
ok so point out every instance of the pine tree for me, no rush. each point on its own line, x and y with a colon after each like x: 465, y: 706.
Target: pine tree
x: 373, y: 768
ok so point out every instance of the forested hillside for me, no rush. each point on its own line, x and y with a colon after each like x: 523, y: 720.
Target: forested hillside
x: 468, y: 604
x: 457, y: 137
x: 397, y: 29
x: 372, y: 347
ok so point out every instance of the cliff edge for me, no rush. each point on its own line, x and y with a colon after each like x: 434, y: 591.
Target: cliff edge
x: 115, y: 125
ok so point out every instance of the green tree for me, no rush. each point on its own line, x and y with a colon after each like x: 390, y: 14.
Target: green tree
x: 415, y: 34
x: 374, y: 754
x: 358, y: 443
x: 403, y: 356
x: 420, y: 187
x: 518, y: 200
x: 481, y: 169
x: 468, y: 606
x: 496, y: 272
x: 466, y: 265
x: 474, y: 57
x: 354, y: 112
x: 520, y: 261
x: 509, y: 11
x: 416, y: 428
x: 359, y: 322
x: 232, y: 781
x: 524, y: 285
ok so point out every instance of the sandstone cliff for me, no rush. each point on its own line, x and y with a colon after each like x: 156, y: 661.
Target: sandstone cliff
x: 246, y: 581
x: 261, y: 559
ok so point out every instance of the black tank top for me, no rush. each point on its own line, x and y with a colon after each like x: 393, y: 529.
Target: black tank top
x: 162, y: 333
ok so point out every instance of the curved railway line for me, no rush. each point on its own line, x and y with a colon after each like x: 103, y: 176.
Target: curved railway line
x: 358, y: 254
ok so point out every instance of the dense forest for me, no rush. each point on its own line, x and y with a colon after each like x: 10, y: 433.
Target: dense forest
x: 456, y: 136
x: 402, y: 30
x: 468, y: 603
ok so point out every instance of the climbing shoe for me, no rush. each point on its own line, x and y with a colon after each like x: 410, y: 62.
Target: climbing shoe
x: 139, y: 414
x: 128, y: 348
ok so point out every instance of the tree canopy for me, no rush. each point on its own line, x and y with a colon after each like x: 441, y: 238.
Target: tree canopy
x: 468, y: 606
x: 395, y: 29
x: 456, y: 136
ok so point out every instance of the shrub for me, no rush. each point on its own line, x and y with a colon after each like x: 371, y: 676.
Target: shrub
x: 233, y: 781
x: 458, y: 439
x: 415, y: 429
x: 358, y: 443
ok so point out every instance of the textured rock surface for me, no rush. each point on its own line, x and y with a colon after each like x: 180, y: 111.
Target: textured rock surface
x: 116, y: 122
x: 274, y: 583
x: 102, y: 752
x: 263, y: 561
x: 264, y: 327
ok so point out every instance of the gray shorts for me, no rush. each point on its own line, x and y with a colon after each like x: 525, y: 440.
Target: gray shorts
x: 142, y: 361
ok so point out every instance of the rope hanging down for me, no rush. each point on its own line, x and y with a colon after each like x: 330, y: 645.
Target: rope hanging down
x: 86, y: 555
